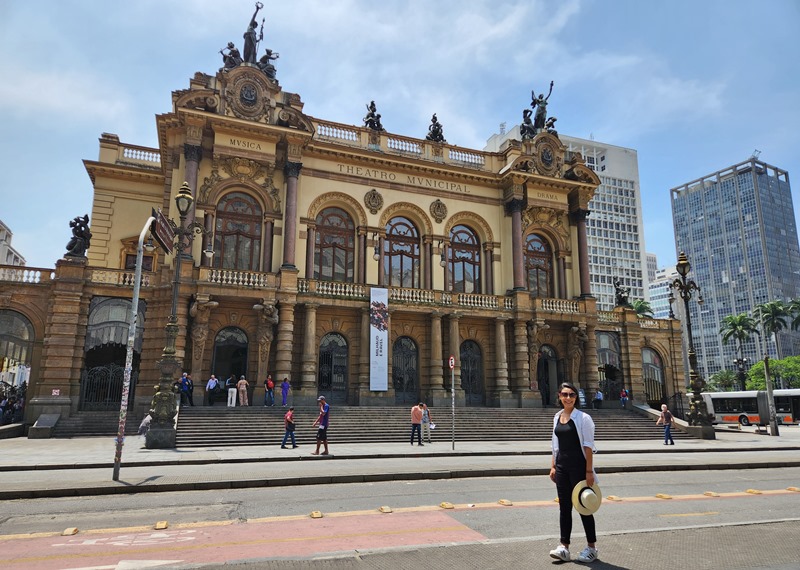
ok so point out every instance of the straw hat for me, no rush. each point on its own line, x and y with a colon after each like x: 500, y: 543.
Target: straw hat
x: 586, y: 499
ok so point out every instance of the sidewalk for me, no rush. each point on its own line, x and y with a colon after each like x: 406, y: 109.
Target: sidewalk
x: 83, y: 466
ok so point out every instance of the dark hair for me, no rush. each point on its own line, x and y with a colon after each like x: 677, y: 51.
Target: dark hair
x: 571, y: 387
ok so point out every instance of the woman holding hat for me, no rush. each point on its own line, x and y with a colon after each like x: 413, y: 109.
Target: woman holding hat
x: 572, y: 471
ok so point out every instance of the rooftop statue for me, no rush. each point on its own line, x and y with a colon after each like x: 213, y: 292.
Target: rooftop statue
x: 526, y: 130
x: 265, y: 63
x: 435, y: 133
x: 621, y: 294
x: 81, y: 236
x: 250, y: 38
x: 372, y: 120
x: 540, y: 105
x: 232, y: 58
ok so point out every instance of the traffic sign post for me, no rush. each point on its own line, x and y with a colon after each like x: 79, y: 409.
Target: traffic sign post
x: 163, y: 231
x: 452, y: 363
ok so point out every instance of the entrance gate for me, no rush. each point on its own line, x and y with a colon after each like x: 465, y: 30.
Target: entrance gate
x: 333, y: 368
x: 405, y: 379
x: 101, y: 388
x: 472, y: 373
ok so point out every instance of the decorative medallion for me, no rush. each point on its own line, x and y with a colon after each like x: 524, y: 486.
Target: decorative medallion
x: 373, y: 201
x: 438, y: 210
x: 243, y: 168
x: 547, y: 156
x: 247, y: 96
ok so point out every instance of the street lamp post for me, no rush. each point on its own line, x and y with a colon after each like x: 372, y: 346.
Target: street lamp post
x: 741, y: 364
x: 161, y: 434
x: 698, y: 413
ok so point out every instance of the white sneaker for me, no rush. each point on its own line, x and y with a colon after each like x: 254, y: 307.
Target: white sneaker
x: 561, y: 552
x: 587, y: 555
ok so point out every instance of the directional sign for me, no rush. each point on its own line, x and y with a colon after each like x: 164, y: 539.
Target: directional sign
x: 162, y: 231
x: 452, y: 362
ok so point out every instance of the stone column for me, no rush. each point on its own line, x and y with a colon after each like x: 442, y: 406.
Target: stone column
x: 437, y: 394
x: 455, y: 345
x: 266, y: 255
x: 311, y: 243
x: 502, y: 396
x: 200, y: 312
x: 518, y: 249
x: 489, y: 271
x: 520, y: 377
x: 309, y: 360
x: 193, y: 155
x: 579, y: 216
x: 292, y: 173
x: 363, y: 358
x: 208, y: 238
x: 381, y: 277
x: 283, y: 356
x: 361, y: 272
x: 427, y: 263
x: 562, y: 275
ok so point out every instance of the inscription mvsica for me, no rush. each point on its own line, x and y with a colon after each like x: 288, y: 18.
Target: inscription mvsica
x: 408, y: 179
x: 245, y: 144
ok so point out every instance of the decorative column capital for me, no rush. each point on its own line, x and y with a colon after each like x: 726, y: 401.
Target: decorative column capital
x: 292, y: 169
x: 515, y: 206
x: 193, y: 152
x: 579, y: 215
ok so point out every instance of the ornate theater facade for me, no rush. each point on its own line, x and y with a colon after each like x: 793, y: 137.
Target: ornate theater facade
x: 479, y: 255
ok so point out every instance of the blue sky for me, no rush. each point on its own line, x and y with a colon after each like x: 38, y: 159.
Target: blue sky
x: 692, y: 86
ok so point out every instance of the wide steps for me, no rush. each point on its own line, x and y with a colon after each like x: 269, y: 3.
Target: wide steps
x: 87, y: 424
x: 242, y: 426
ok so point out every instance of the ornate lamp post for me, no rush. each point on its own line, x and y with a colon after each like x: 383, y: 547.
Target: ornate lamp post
x: 740, y: 364
x: 698, y: 413
x: 161, y: 434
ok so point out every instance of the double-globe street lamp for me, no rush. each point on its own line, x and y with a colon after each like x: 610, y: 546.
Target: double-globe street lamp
x: 698, y: 413
x: 161, y: 434
x: 741, y: 367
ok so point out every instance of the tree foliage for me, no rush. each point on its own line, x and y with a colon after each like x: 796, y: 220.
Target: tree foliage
x: 722, y: 381
x: 642, y: 308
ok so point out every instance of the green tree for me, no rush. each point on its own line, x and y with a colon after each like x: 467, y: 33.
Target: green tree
x: 771, y: 316
x: 642, y: 308
x: 722, y: 381
x: 794, y: 309
x: 738, y: 327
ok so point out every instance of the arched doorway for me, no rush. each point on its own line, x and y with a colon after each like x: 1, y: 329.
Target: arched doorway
x: 405, y: 371
x: 230, y: 355
x: 547, y: 374
x: 16, y: 349
x: 105, y: 352
x: 653, y: 378
x: 608, y: 358
x: 472, y: 373
x: 333, y: 368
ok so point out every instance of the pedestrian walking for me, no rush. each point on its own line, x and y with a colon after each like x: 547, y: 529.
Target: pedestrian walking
x: 242, y: 385
x: 230, y: 384
x: 572, y: 470
x: 667, y: 420
x: 288, y: 424
x: 190, y: 393
x: 623, y: 397
x: 269, y: 391
x: 212, y: 389
x: 183, y: 386
x: 322, y: 423
x: 416, y: 423
x: 285, y: 387
x: 427, y: 424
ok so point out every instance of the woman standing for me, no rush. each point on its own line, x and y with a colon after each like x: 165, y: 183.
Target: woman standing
x: 573, y: 446
x: 242, y: 385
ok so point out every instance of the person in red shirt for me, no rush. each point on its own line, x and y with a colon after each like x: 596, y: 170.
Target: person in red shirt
x: 288, y: 424
x: 269, y: 391
x: 416, y: 423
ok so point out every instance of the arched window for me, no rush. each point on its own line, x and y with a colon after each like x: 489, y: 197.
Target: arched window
x: 334, y: 250
x: 401, y: 253
x: 237, y: 236
x: 539, y: 266
x: 230, y: 354
x: 608, y: 358
x: 464, y: 256
x: 653, y: 377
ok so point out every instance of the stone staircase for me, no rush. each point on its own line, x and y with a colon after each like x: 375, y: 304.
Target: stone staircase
x: 241, y: 426
x: 87, y: 424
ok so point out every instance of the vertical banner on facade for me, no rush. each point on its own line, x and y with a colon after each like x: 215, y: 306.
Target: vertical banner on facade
x: 379, y: 340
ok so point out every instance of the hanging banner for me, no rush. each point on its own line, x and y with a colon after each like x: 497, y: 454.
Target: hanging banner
x: 379, y: 340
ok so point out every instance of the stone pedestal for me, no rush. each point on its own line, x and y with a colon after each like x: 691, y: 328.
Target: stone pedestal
x: 701, y: 432
x: 160, y: 437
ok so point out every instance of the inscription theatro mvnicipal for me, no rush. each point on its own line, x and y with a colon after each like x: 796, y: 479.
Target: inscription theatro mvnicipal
x: 375, y: 174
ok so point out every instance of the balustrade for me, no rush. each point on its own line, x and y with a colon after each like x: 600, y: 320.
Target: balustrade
x: 561, y: 305
x: 607, y: 317
x: 250, y: 279
x: 21, y: 274
x: 404, y: 145
x: 121, y: 277
x: 337, y: 132
x: 140, y: 155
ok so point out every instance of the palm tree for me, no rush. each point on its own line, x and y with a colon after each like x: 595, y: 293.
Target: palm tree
x: 642, y: 308
x: 738, y: 327
x: 794, y: 309
x: 772, y: 317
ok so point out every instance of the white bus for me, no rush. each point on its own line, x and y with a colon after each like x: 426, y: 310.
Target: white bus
x: 750, y: 407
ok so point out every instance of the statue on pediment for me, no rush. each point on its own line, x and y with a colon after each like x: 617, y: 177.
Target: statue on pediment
x: 251, y: 39
x: 232, y: 58
x: 265, y: 63
x: 435, y: 132
x: 526, y: 130
x: 540, y: 105
x: 372, y: 120
x: 81, y: 237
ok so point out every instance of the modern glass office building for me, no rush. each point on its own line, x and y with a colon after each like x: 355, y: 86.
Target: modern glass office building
x: 737, y: 227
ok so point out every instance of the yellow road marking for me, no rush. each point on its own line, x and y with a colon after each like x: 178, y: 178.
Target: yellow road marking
x: 374, y: 512
x: 706, y: 514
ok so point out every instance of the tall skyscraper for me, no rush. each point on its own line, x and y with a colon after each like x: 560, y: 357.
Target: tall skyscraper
x: 659, y: 292
x: 8, y: 255
x: 738, y: 229
x: 652, y: 266
x: 614, y: 227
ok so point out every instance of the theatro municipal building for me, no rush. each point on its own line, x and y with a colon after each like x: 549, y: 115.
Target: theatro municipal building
x: 351, y: 260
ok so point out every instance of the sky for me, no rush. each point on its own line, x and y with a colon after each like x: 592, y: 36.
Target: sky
x: 692, y: 86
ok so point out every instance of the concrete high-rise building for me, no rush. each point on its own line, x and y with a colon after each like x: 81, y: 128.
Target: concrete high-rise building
x: 8, y: 255
x: 614, y: 227
x: 652, y: 266
x: 738, y: 229
x: 659, y: 292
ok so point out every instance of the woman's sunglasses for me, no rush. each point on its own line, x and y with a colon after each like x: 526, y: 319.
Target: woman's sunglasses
x: 569, y: 395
